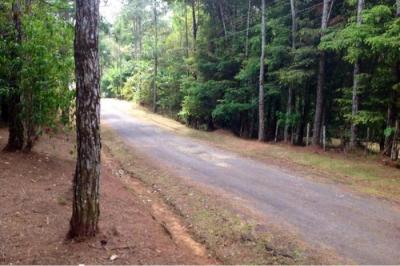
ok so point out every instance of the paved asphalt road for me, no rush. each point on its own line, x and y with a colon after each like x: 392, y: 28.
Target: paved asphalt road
x: 359, y: 228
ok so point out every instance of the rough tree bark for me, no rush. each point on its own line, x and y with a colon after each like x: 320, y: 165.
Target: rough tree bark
x: 15, y: 125
x: 319, y: 105
x: 86, y: 212
x: 261, y: 104
x: 356, y: 72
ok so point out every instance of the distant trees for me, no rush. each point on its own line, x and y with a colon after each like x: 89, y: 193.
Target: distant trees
x: 311, y: 50
x: 86, y: 207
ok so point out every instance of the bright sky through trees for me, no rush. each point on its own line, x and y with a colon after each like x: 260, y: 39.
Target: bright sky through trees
x: 110, y: 9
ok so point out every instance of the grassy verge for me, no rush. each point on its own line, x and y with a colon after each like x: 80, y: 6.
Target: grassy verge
x: 365, y: 174
x: 233, y: 237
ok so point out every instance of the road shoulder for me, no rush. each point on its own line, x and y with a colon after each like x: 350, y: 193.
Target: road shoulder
x: 234, y: 234
x: 363, y: 175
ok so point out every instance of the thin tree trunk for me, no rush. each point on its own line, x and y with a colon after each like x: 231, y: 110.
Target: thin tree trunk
x: 302, y: 122
x: 391, y: 112
x: 395, y: 153
x: 221, y: 14
x: 391, y: 117
x: 288, y: 114
x: 15, y: 127
x: 140, y: 37
x: 86, y: 211
x: 321, y: 80
x: 186, y: 31
x: 28, y: 99
x: 290, y: 89
x: 248, y: 30
x: 354, y: 106
x: 261, y: 104
x: 355, y: 98
x: 367, y: 142
x: 276, y: 131
x: 294, y: 23
x: 194, y: 23
x: 155, y: 57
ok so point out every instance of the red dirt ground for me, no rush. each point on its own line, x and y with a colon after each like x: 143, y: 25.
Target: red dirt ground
x: 35, y: 207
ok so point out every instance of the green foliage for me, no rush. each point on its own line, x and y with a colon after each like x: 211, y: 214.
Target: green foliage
x: 211, y: 81
x: 200, y: 101
x: 389, y: 131
x: 43, y: 61
x: 288, y: 119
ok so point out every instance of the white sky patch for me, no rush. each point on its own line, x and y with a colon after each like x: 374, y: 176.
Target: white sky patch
x: 110, y: 9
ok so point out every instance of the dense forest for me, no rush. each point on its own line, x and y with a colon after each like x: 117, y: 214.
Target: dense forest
x: 331, y: 67
x: 328, y: 74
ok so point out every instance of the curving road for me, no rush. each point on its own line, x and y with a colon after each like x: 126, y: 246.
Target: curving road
x: 362, y: 229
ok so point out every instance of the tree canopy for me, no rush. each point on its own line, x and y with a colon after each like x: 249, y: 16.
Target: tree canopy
x: 208, y: 65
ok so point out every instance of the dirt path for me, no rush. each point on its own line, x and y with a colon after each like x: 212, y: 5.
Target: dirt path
x: 35, y: 207
x: 362, y: 229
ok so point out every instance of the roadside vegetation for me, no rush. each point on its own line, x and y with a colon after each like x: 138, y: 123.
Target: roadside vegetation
x: 369, y: 174
x: 331, y: 74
